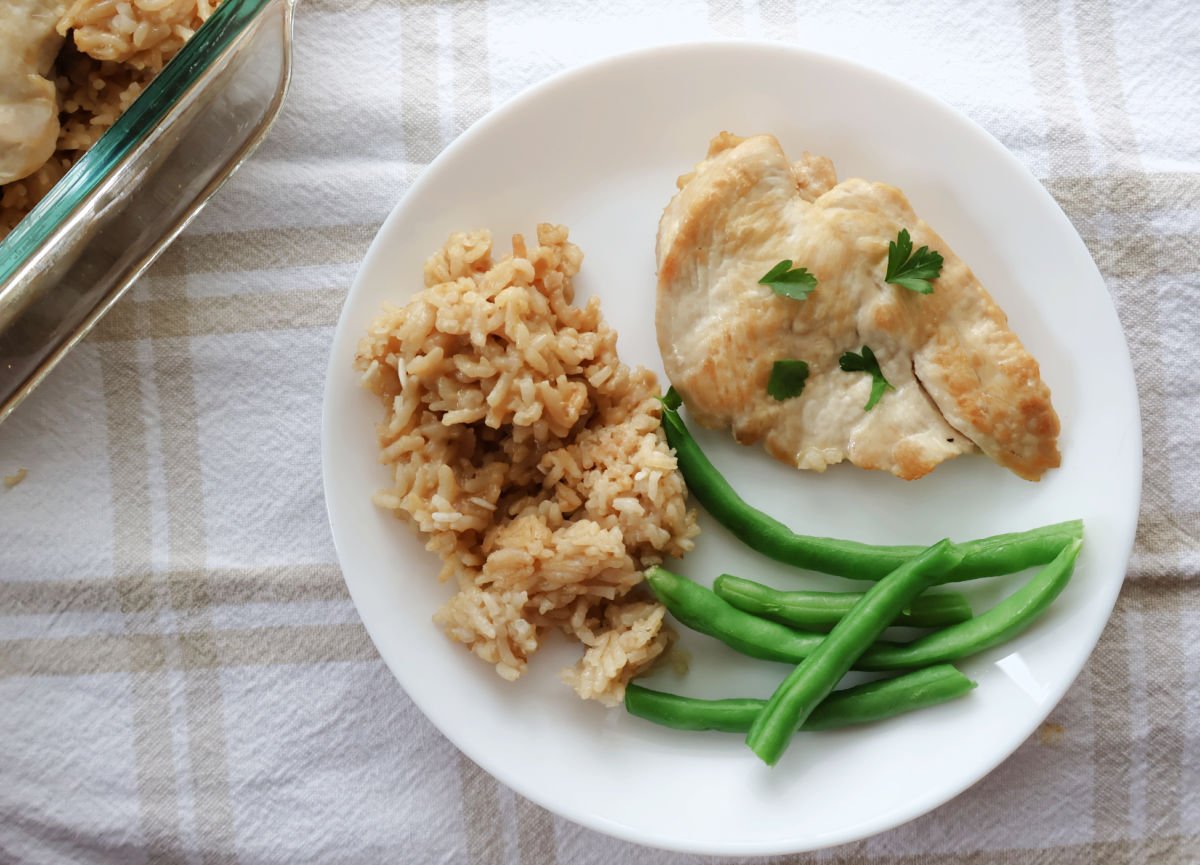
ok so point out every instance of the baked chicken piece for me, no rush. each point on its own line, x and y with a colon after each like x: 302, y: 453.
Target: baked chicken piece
x: 29, y: 42
x: 961, y: 379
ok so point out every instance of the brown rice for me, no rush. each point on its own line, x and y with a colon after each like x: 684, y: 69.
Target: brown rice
x: 530, y: 457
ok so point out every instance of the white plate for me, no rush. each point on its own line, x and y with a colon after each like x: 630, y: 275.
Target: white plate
x: 598, y: 149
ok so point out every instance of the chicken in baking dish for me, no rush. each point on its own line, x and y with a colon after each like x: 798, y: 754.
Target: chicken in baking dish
x: 29, y: 43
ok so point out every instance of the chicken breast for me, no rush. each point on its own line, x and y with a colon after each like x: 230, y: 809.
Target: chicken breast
x: 29, y: 42
x: 962, y: 379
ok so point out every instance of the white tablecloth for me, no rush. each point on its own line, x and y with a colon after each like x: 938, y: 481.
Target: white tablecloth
x: 182, y: 675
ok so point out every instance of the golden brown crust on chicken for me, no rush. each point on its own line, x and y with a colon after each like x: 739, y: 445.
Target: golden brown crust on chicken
x: 962, y: 379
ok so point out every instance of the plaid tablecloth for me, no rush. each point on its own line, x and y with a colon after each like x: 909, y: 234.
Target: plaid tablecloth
x: 182, y: 675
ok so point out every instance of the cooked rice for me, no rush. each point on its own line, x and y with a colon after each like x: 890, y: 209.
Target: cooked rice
x: 113, y: 49
x: 143, y: 34
x: 530, y: 456
x: 15, y: 479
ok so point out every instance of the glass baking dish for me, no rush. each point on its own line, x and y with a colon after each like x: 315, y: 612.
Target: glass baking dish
x: 66, y: 263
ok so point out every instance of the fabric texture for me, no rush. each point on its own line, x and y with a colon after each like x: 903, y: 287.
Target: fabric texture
x: 183, y: 677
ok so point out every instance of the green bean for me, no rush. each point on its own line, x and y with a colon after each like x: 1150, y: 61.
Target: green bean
x: 992, y: 556
x: 700, y: 609
x: 862, y: 704
x: 820, y: 611
x: 816, y: 676
x: 992, y: 627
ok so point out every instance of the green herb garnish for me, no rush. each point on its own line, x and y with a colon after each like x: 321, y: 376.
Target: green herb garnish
x: 910, y: 270
x: 787, y: 379
x: 671, y: 400
x: 866, y: 362
x: 786, y: 282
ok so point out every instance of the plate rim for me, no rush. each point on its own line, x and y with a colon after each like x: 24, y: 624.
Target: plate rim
x: 921, y: 805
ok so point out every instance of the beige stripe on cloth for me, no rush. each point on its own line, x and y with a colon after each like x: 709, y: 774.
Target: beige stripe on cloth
x: 193, y: 587
x: 1159, y: 618
x: 1090, y: 195
x: 1169, y: 532
x: 185, y: 651
x: 481, y: 814
x: 186, y: 548
x: 265, y: 249
x: 162, y: 318
x: 1120, y: 671
x: 535, y: 833
x: 420, y: 94
x: 128, y: 454
x: 1157, y: 719
x: 1107, y: 677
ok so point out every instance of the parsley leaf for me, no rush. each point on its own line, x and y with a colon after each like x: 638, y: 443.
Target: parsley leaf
x: 866, y: 362
x: 786, y: 282
x: 671, y: 401
x: 910, y: 270
x: 787, y: 379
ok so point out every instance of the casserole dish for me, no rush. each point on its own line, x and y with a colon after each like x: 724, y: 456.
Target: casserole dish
x: 122, y: 203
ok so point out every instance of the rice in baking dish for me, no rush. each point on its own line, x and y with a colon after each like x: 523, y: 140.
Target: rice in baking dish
x: 530, y: 457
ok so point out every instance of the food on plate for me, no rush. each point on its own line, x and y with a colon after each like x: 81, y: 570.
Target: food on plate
x: 862, y: 704
x: 68, y: 70
x: 772, y: 625
x: 814, y: 678
x: 530, y: 457
x: 820, y: 611
x: 1000, y: 623
x: 992, y: 556
x: 763, y: 262
x: 702, y: 610
x: 853, y: 643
